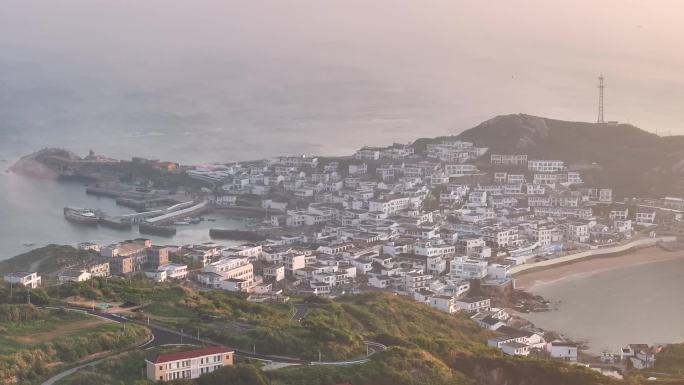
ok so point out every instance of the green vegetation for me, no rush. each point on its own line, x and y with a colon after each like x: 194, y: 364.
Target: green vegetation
x: 45, y: 260
x: 426, y: 346
x: 631, y: 161
x: 670, y: 360
x: 34, y: 342
x: 397, y: 366
x: 126, y: 368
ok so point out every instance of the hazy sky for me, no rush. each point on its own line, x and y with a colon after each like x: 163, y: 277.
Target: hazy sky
x: 284, y: 76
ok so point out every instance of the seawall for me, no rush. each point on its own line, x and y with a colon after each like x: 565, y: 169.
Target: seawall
x: 595, y: 253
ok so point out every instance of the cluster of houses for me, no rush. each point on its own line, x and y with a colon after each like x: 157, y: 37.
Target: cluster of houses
x: 409, y: 220
x: 427, y: 222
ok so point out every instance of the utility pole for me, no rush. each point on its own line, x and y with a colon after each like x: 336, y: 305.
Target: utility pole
x: 181, y: 335
x: 28, y: 297
x: 601, y: 86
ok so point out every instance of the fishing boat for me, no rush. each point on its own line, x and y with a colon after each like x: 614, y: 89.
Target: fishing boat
x: 82, y: 215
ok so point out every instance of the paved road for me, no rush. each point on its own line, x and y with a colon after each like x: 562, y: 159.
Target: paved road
x: 163, y: 337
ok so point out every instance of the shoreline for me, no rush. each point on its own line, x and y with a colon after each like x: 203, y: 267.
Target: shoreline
x: 529, y: 281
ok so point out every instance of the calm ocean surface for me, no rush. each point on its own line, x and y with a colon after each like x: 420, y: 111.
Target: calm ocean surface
x: 31, y: 212
x: 639, y: 304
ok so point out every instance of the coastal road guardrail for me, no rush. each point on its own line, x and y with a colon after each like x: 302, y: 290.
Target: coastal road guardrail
x: 644, y: 242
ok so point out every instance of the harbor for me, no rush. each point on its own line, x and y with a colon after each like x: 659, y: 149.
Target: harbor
x: 47, y: 201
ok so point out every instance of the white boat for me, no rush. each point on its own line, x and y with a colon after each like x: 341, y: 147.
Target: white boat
x: 81, y: 215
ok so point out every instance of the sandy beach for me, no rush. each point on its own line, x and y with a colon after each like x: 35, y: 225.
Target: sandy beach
x: 530, y: 280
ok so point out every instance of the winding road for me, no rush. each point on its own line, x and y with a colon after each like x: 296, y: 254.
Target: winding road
x: 162, y: 336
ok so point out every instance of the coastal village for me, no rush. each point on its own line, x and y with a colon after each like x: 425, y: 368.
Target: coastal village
x: 448, y: 224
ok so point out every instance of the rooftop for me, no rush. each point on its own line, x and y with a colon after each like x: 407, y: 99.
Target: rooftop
x: 189, y: 354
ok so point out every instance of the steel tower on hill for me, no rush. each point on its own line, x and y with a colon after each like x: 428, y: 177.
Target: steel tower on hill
x: 600, y: 101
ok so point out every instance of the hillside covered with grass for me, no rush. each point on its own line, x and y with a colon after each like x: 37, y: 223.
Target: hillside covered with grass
x: 425, y: 346
x: 36, y: 342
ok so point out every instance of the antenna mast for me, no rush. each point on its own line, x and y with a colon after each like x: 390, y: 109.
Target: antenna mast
x: 600, y: 102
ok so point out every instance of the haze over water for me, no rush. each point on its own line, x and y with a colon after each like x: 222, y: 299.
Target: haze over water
x: 226, y: 80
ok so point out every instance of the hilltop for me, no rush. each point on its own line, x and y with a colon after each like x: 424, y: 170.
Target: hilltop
x: 623, y: 156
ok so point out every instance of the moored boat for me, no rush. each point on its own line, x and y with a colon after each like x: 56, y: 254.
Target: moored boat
x: 81, y: 215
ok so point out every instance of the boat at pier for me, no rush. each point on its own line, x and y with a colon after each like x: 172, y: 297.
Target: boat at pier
x: 82, y: 215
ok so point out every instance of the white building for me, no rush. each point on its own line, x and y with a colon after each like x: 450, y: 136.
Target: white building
x: 443, y: 303
x: 175, y: 271
x: 619, y: 215
x: 565, y: 351
x: 188, y: 364
x: 473, y: 305
x: 275, y: 273
x: 515, y: 349
x: 545, y: 165
x: 509, y: 159
x: 458, y: 170
x: 237, y: 268
x: 466, y: 268
x: 389, y: 205
x: 23, y: 278
x: 74, y: 275
x: 645, y: 218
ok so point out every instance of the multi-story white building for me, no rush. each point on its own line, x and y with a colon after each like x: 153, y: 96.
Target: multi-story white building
x: 619, y: 215
x: 275, y: 273
x: 389, y: 206
x: 509, y: 159
x: 473, y: 305
x: 645, y: 217
x: 237, y: 268
x: 515, y: 179
x: 368, y: 153
x: 577, y: 231
x: 543, y: 235
x: 604, y: 195
x: 30, y: 280
x: 458, y: 170
x: 188, y: 364
x: 496, y: 237
x: 535, y: 189
x: 175, y: 270
x: 466, y: 268
x: 430, y: 249
x: 478, y: 198
x: 545, y: 165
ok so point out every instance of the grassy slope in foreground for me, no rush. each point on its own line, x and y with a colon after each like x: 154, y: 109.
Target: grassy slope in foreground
x: 35, y: 343
x: 427, y: 347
